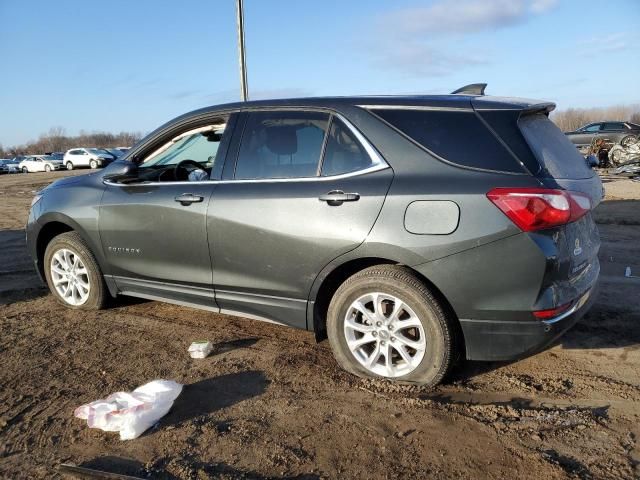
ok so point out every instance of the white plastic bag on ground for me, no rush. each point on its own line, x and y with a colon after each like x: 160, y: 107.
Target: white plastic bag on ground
x: 200, y: 349
x: 131, y: 413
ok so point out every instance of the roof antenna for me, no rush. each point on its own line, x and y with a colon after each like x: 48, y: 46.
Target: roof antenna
x: 471, y: 89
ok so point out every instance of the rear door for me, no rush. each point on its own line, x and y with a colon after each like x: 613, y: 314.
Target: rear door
x: 302, y: 188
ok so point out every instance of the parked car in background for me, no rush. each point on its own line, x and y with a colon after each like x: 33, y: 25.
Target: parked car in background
x: 87, y: 157
x: 123, y: 149
x: 9, y: 166
x: 114, y: 152
x: 40, y: 163
x: 610, y: 132
x: 364, y: 219
x: 56, y: 155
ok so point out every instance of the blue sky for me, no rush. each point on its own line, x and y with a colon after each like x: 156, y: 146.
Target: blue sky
x: 132, y: 65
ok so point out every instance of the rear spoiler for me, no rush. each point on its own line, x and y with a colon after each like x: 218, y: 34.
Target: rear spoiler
x: 546, y: 108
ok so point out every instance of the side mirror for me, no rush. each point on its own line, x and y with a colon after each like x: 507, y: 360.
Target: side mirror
x: 592, y: 161
x: 120, y: 171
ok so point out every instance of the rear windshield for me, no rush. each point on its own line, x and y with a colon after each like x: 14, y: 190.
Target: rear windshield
x: 556, y: 154
x: 457, y: 136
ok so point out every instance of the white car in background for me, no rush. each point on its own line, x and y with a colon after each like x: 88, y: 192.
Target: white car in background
x: 39, y: 163
x: 87, y: 157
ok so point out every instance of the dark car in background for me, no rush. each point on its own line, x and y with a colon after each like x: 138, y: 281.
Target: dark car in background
x: 610, y: 132
x: 364, y: 219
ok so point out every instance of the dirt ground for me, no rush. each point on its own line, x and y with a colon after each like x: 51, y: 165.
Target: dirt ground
x: 271, y: 403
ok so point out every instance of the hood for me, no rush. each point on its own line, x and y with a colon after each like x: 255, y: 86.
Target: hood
x: 62, y: 182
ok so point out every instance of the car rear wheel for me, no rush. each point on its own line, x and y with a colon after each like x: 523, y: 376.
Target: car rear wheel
x: 93, y: 164
x: 25, y: 170
x: 69, y: 166
x: 72, y: 273
x: 384, y: 322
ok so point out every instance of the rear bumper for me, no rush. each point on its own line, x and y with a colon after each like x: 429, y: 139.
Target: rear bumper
x: 504, y: 340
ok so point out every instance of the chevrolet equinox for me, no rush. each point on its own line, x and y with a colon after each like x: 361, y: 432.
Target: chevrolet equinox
x: 409, y: 230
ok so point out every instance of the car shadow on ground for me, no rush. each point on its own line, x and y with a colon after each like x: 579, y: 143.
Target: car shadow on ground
x: 207, y: 396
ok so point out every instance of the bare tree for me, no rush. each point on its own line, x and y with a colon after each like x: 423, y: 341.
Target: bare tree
x: 573, y: 118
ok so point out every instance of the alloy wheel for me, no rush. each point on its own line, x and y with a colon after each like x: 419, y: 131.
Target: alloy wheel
x: 384, y: 334
x: 70, y: 277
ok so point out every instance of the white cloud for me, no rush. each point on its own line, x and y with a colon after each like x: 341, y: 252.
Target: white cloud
x: 464, y: 16
x: 611, y: 43
x: 411, y: 39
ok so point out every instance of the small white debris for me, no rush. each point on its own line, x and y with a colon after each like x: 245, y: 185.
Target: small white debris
x: 627, y: 272
x: 200, y: 349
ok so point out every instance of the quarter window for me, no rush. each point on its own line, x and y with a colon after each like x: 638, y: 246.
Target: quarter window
x: 343, y: 153
x: 281, y: 145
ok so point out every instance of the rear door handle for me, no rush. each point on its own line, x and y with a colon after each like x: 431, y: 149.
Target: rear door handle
x: 188, y: 198
x: 337, y: 197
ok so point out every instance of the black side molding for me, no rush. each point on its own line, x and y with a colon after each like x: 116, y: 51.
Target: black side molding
x: 471, y: 89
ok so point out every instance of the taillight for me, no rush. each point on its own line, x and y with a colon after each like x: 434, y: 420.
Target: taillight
x: 538, y: 208
x: 552, y: 312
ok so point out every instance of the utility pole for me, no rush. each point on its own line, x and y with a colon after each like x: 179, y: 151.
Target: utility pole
x: 242, y: 59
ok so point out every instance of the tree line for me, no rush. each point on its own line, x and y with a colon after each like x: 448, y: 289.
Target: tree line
x: 573, y: 118
x: 56, y: 140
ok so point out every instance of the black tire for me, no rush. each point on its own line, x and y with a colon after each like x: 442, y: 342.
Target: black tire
x: 440, y: 352
x: 25, y: 170
x: 47, y: 168
x: 98, y: 293
x: 69, y: 166
x: 93, y: 164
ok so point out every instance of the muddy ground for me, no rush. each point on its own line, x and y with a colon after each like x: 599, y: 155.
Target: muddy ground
x: 271, y: 403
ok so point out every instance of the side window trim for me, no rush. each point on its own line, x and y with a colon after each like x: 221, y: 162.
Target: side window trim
x: 228, y: 172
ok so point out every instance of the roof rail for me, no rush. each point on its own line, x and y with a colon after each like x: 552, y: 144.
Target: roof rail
x: 471, y: 89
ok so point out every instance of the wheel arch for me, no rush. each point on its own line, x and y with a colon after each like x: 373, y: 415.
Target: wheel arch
x: 52, y: 225
x: 319, y: 303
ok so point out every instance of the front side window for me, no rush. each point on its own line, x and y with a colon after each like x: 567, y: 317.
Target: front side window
x: 343, y: 153
x: 281, y: 145
x: 592, y: 128
x: 199, y: 145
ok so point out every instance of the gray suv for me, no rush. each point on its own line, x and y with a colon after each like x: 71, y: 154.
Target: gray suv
x: 623, y: 133
x: 410, y: 231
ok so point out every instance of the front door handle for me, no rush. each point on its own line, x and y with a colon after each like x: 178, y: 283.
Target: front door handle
x: 188, y: 198
x: 337, y: 197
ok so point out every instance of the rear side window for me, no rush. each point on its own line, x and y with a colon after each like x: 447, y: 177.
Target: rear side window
x: 459, y: 137
x: 555, y: 153
x: 343, y: 153
x: 281, y: 145
x: 613, y: 126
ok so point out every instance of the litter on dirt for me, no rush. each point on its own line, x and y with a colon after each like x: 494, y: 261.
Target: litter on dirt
x: 131, y: 413
x: 200, y: 349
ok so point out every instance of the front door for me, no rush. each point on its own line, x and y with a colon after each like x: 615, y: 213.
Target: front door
x: 289, y: 210
x: 153, y: 229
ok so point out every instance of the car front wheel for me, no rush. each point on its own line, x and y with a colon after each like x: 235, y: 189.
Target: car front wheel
x: 69, y: 166
x: 93, y: 164
x: 384, y: 322
x: 72, y: 273
x: 47, y: 168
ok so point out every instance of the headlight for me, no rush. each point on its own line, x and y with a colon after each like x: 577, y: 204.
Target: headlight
x: 36, y: 198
